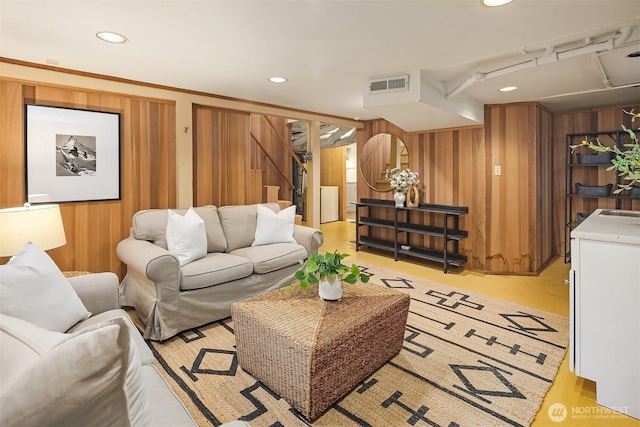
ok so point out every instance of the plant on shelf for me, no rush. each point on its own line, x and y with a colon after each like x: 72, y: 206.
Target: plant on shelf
x: 328, y: 269
x: 626, y: 161
x: 401, y: 180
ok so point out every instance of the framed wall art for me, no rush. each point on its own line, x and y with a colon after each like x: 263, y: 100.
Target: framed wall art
x: 72, y: 155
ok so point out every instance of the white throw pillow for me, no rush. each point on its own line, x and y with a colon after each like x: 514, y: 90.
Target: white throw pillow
x: 272, y: 227
x: 89, y: 378
x: 33, y: 288
x: 186, y: 236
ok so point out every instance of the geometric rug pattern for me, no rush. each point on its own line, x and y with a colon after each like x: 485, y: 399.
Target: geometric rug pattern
x: 467, y: 360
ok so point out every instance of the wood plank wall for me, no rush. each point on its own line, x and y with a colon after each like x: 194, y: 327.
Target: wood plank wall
x: 148, y: 174
x: 516, y: 221
x: 221, y: 163
x: 452, y: 171
x: 507, y: 233
x: 229, y: 166
x: 544, y: 186
x: 594, y: 120
x: 519, y: 141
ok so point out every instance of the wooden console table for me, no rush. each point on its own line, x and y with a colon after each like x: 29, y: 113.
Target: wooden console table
x: 402, y: 223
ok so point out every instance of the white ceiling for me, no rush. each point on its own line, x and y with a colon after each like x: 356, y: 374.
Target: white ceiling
x: 330, y: 49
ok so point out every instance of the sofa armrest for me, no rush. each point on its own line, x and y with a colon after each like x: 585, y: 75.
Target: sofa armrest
x: 310, y: 238
x: 147, y: 259
x: 97, y: 291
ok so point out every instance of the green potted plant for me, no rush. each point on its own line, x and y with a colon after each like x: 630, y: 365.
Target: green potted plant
x: 328, y: 271
x: 625, y: 161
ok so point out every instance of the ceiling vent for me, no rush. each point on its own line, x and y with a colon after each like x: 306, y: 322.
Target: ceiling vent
x: 389, y: 84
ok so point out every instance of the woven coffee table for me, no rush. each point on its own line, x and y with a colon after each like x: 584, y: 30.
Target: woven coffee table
x: 313, y: 352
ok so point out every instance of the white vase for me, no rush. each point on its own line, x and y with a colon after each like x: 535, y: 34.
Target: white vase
x: 399, y: 198
x: 330, y: 288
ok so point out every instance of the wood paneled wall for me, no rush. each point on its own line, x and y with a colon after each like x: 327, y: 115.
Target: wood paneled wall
x: 518, y: 233
x: 221, y: 163
x: 452, y: 171
x: 148, y: 169
x: 230, y: 168
x: 601, y: 119
x: 516, y: 221
x: 508, y: 225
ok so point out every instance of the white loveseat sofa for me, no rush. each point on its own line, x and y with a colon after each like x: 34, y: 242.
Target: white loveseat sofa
x: 170, y: 298
x: 99, y: 372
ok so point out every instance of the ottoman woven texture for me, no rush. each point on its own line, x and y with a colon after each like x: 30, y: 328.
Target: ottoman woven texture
x: 313, y: 352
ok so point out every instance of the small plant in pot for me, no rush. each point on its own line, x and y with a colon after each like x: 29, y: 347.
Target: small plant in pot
x: 328, y: 271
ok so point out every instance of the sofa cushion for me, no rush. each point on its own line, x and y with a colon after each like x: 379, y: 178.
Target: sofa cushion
x: 274, y: 227
x: 151, y: 225
x: 90, y: 378
x: 186, y: 236
x: 272, y: 257
x: 32, y: 288
x: 213, y: 269
x: 144, y: 353
x: 239, y: 223
x: 165, y: 409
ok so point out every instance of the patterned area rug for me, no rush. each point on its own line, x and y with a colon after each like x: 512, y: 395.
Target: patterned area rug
x: 467, y: 360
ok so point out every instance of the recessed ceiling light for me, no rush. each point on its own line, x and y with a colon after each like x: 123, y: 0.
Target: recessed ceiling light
x: 508, y: 88
x: 277, y: 80
x: 494, y: 3
x: 111, y: 37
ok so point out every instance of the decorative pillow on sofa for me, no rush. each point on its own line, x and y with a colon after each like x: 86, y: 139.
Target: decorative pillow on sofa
x: 272, y: 227
x: 90, y: 378
x: 151, y: 225
x: 32, y: 288
x: 186, y: 236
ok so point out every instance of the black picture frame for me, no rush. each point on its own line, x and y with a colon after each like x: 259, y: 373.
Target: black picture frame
x: 71, y: 154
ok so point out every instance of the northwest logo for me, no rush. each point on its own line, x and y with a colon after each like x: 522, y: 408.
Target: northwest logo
x: 557, y: 412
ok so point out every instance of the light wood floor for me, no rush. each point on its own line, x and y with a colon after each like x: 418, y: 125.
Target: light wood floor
x: 548, y: 292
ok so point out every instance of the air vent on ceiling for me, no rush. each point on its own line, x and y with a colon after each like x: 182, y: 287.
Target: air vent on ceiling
x: 389, y: 84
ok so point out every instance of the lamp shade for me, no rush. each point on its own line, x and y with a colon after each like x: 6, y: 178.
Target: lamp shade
x: 40, y: 225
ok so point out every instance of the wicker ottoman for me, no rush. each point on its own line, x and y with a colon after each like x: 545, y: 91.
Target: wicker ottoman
x: 312, y: 352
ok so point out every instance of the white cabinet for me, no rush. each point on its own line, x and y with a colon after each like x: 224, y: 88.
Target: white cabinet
x: 605, y: 307
x: 328, y: 204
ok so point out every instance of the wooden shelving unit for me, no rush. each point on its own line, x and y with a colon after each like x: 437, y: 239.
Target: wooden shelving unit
x: 402, y: 227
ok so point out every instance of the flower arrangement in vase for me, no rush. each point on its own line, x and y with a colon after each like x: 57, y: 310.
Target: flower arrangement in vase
x: 401, y: 181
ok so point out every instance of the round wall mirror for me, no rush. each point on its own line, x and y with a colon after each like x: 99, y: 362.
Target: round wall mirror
x: 381, y: 152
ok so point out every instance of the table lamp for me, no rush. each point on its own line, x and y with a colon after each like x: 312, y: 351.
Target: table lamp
x: 39, y: 224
